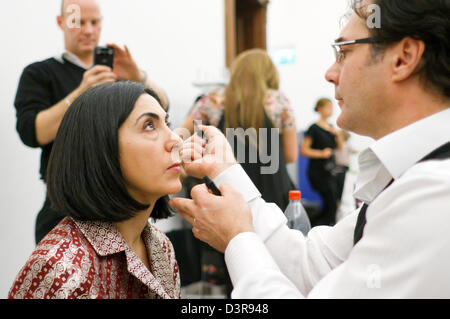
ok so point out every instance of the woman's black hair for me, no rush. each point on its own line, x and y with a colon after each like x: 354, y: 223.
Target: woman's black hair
x: 426, y: 20
x: 84, y: 177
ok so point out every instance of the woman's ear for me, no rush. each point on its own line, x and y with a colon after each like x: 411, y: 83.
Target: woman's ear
x: 406, y: 58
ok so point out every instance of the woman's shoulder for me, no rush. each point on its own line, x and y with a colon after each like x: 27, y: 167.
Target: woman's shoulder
x: 279, y: 110
x: 215, y: 98
x: 51, y: 265
x: 209, y: 108
x: 312, y: 130
x: 277, y: 103
x: 64, y: 234
x: 277, y: 96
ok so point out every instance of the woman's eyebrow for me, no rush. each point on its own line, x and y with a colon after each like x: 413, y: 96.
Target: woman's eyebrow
x: 151, y: 114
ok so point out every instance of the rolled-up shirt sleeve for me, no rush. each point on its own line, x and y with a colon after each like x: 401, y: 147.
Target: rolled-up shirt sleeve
x: 33, y: 95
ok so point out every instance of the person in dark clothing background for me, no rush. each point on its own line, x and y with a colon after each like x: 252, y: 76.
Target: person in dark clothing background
x: 47, y: 88
x: 319, y: 144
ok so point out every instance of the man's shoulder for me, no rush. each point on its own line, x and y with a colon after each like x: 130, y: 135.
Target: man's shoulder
x: 425, y: 182
x: 42, y: 66
x: 43, y: 63
x: 433, y: 169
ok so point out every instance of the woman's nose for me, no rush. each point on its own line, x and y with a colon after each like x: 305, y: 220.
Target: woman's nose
x: 174, y: 143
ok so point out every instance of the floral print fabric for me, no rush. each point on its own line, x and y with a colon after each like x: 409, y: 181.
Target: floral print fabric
x: 209, y: 109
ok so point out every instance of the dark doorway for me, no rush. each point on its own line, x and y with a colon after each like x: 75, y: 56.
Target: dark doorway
x: 245, y: 26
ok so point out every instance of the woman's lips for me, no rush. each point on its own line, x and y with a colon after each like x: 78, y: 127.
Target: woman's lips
x: 175, y: 167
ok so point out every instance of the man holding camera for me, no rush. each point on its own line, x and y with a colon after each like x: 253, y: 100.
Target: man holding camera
x: 47, y: 88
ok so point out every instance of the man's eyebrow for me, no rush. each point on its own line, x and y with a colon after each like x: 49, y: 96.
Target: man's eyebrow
x: 153, y: 115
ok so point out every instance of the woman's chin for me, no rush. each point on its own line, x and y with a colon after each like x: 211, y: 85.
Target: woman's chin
x: 174, y: 188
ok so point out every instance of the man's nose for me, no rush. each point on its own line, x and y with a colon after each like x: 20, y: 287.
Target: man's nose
x: 332, y: 74
x: 88, y: 28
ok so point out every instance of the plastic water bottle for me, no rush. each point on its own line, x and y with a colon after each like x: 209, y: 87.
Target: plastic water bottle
x: 296, y: 213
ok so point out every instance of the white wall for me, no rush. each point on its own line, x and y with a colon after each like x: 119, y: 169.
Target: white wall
x: 177, y: 42
x: 308, y: 27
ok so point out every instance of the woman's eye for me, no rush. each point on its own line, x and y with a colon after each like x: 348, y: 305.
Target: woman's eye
x: 169, y: 124
x: 149, y: 126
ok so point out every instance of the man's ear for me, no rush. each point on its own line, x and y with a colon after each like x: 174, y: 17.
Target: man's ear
x: 59, y: 21
x: 406, y: 58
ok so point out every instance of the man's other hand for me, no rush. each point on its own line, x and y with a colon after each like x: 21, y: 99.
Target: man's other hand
x: 216, y: 220
x: 124, y: 65
x: 98, y: 74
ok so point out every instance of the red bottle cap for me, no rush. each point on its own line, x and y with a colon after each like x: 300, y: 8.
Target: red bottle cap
x: 295, y: 195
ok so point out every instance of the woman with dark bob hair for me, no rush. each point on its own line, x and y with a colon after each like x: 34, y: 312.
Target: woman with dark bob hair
x: 113, y: 162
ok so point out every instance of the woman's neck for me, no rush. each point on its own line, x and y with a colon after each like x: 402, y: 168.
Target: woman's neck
x: 131, y: 229
x: 322, y: 122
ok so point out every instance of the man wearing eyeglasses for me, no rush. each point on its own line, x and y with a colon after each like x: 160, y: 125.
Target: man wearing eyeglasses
x: 392, y: 84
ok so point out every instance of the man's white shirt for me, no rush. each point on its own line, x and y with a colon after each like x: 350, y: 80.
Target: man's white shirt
x: 404, y: 252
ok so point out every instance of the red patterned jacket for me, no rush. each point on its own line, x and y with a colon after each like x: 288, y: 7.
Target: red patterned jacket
x: 92, y: 260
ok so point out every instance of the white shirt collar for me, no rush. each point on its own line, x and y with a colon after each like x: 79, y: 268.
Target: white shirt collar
x: 389, y: 157
x: 72, y: 58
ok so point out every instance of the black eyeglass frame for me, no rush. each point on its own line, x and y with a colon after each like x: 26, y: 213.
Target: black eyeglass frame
x: 336, y: 46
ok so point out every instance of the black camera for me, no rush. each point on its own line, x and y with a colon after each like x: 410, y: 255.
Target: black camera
x: 104, y: 56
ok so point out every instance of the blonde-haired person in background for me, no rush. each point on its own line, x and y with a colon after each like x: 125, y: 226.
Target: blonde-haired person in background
x: 250, y: 102
x: 252, y: 99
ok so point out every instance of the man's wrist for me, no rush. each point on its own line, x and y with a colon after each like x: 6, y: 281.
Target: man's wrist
x: 76, y: 93
x: 236, y: 176
x: 219, y: 170
x: 239, y: 230
x: 68, y: 100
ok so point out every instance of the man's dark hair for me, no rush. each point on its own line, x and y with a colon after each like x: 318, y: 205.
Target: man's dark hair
x: 84, y: 178
x: 426, y: 20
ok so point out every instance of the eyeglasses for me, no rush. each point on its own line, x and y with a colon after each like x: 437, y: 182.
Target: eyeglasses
x: 339, y: 54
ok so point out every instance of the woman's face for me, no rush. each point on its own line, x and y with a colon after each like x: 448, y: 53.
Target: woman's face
x: 148, y: 152
x: 326, y: 110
